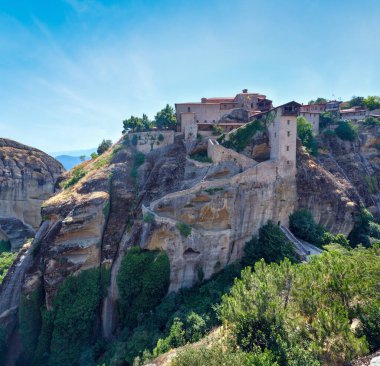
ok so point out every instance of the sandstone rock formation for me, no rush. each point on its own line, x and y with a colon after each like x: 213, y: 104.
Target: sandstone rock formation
x: 27, y: 178
x: 123, y: 201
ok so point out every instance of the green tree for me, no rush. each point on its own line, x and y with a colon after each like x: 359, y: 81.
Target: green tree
x: 318, y: 100
x: 132, y: 123
x: 272, y: 245
x: 356, y: 102
x: 306, y: 134
x: 372, y: 102
x: 302, y: 225
x: 82, y: 158
x: 166, y: 118
x: 347, y: 131
x: 143, y: 280
x: 326, y: 119
x: 104, y: 146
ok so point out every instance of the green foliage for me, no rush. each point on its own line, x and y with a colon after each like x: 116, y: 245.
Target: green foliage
x: 142, y: 280
x: 305, y: 310
x: 360, y: 234
x: 6, y: 261
x: 149, y: 217
x: 5, y: 246
x: 102, y: 161
x: 104, y: 146
x: 30, y: 321
x: 94, y: 155
x: 70, y: 326
x: 302, y: 225
x: 318, y: 100
x: 346, y: 131
x: 306, y: 134
x: 77, y: 174
x: 272, y: 245
x: 372, y: 102
x: 217, y: 356
x: 356, y: 102
x: 327, y: 118
x: 372, y: 121
x: 184, y: 229
x: 3, y: 344
x: 161, y: 137
x: 201, y: 157
x: 369, y: 316
x: 138, y: 161
x: 243, y: 136
x: 166, y: 118
x: 136, y: 124
x: 372, y: 183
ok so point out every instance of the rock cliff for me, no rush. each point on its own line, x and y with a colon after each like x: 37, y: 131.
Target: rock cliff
x: 27, y: 178
x: 200, y: 213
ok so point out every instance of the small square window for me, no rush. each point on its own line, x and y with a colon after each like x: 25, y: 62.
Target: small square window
x: 288, y: 121
x: 287, y: 148
x: 288, y: 133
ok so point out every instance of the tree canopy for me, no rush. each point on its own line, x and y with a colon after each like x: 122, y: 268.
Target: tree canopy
x: 104, y: 146
x: 306, y: 134
x: 165, y: 118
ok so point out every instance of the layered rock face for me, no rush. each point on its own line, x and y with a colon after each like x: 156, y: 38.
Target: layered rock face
x: 27, y: 178
x: 201, y: 214
x: 356, y: 163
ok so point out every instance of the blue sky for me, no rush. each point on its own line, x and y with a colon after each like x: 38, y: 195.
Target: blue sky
x: 72, y: 70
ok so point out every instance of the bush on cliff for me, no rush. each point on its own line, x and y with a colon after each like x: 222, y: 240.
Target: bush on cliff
x: 271, y: 245
x: 6, y: 260
x: 306, y: 134
x: 143, y: 280
x: 303, y: 313
x: 303, y: 226
x: 70, y: 326
x: 347, y: 131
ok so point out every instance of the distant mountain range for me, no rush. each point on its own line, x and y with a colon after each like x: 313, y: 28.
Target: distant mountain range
x: 71, y: 158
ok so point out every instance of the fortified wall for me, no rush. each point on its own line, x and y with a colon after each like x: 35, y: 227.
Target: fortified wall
x: 147, y: 141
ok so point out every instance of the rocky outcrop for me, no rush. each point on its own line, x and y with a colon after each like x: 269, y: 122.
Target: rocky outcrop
x: 27, y: 178
x: 332, y: 202
x: 201, y: 214
x: 355, y: 163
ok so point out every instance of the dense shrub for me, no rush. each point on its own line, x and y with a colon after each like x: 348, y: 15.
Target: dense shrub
x: 243, y: 136
x: 139, y: 160
x: 306, y: 134
x: 70, y: 327
x: 369, y: 316
x: 372, y: 121
x: 303, y: 313
x: 201, y: 157
x: 346, y: 131
x: 363, y: 227
x: 30, y: 321
x: 302, y: 225
x: 142, y: 280
x: 6, y: 260
x: 184, y: 229
x: 3, y: 344
x: 271, y: 245
x: 5, y: 246
x: 326, y: 119
x: 104, y: 146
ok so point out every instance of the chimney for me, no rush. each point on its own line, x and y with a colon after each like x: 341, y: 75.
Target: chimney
x: 245, y: 91
x: 204, y: 100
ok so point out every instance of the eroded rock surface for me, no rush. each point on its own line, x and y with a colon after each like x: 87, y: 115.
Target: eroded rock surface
x: 27, y: 178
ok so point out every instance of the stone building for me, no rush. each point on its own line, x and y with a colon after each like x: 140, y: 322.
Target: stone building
x: 355, y: 113
x: 313, y: 111
x: 228, y: 113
